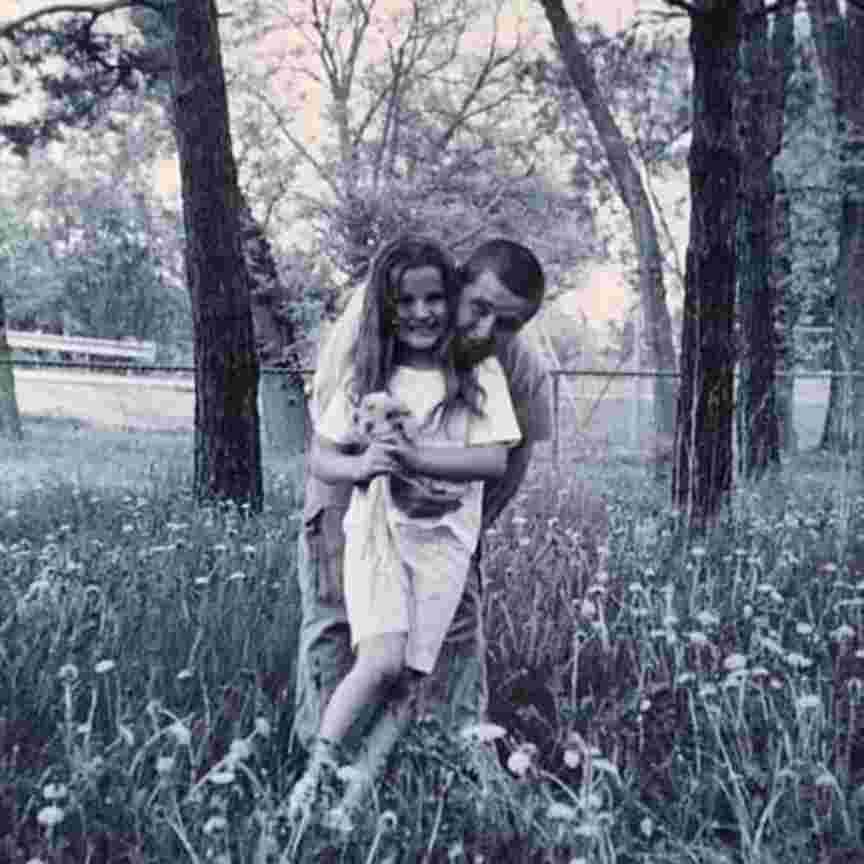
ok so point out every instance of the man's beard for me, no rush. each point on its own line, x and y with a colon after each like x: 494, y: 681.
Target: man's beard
x: 470, y: 352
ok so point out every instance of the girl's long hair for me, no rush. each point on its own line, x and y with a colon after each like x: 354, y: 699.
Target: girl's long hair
x: 372, y: 356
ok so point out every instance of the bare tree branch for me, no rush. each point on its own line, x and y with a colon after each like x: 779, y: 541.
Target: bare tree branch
x: 94, y: 10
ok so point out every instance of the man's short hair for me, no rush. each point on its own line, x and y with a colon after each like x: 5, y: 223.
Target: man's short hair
x: 515, y: 265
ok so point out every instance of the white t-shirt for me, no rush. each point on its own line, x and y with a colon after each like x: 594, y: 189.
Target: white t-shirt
x: 421, y: 390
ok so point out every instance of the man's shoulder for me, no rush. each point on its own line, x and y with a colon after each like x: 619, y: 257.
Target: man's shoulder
x: 521, y: 361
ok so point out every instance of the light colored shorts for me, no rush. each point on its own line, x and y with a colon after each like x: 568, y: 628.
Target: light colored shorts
x: 417, y: 594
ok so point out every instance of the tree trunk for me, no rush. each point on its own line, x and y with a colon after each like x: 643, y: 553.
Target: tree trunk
x: 227, y: 442
x: 652, y: 293
x: 10, y: 419
x: 283, y: 399
x: 702, y: 473
x: 840, y: 49
x: 763, y: 88
x: 786, y: 314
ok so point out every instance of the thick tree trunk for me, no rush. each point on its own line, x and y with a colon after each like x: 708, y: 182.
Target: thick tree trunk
x: 702, y: 473
x: 227, y: 442
x: 283, y: 400
x: 10, y: 419
x: 652, y: 292
x: 781, y: 271
x: 763, y: 86
x: 840, y: 48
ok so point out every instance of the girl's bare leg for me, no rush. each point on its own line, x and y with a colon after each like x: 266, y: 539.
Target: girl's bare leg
x: 379, y: 662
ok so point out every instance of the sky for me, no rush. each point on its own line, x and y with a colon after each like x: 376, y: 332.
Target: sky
x: 605, y: 294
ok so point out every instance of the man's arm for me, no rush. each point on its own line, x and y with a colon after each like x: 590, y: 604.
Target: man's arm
x: 499, y: 494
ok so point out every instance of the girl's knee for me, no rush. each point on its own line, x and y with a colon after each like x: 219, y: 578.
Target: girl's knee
x: 384, y: 660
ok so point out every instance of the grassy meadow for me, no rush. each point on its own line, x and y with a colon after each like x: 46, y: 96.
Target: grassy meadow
x: 655, y: 697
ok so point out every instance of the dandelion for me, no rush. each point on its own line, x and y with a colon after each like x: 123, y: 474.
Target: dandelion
x: 707, y: 619
x: 646, y: 826
x: 799, y: 661
x: 588, y: 608
x: 482, y: 733
x: 734, y: 662
x: 237, y: 576
x: 519, y: 521
x: 55, y: 791
x: 68, y: 673
x: 221, y: 778
x: 185, y: 674
x: 559, y: 812
x: 808, y: 702
x: 104, y: 666
x: 202, y: 580
x: 519, y: 763
x: 240, y: 749
x: 164, y: 765
x: 644, y: 705
x: 572, y: 758
x: 50, y: 816
x: 803, y: 628
x: 128, y: 528
x: 181, y: 733
x: 829, y: 567
x: 698, y: 552
x: 215, y: 824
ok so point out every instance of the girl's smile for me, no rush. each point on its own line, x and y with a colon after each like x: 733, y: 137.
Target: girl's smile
x: 421, y: 315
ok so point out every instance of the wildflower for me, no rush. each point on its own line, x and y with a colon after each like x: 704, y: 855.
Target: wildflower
x: 572, y: 758
x: 262, y: 727
x: 68, y: 673
x: 181, y: 733
x: 734, y: 662
x: 519, y: 521
x: 482, y: 733
x: 185, y: 674
x: 644, y: 705
x: 803, y: 628
x: 54, y: 791
x: 50, y: 815
x: 646, y: 826
x: 220, y: 548
x: 237, y: 576
x: 588, y: 608
x: 798, y: 660
x: 562, y: 812
x: 829, y: 567
x: 104, y: 666
x: 215, y: 823
x: 747, y: 611
x: 128, y: 528
x: 164, y: 765
x: 387, y: 821
x: 707, y: 619
x: 221, y: 778
x: 519, y: 762
x: 698, y: 552
x: 202, y: 580
x: 240, y: 749
x: 808, y: 702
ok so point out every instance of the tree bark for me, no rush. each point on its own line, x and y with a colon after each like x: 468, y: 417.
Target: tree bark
x: 227, y: 442
x: 652, y: 292
x: 840, y: 49
x: 10, y: 419
x: 781, y: 273
x: 702, y: 473
x: 763, y: 80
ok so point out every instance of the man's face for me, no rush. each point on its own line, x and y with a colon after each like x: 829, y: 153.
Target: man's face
x: 488, y: 313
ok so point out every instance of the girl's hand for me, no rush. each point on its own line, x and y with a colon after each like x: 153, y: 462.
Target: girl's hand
x: 378, y: 458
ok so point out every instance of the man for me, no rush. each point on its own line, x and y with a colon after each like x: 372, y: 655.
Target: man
x: 503, y: 287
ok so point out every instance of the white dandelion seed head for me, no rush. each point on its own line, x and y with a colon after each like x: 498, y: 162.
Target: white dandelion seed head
x: 50, y: 815
x: 519, y: 763
x: 482, y: 733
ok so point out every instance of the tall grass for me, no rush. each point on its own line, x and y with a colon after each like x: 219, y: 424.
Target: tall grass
x: 658, y: 697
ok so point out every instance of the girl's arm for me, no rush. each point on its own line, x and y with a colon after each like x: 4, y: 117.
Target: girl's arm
x: 454, y: 462
x: 333, y: 463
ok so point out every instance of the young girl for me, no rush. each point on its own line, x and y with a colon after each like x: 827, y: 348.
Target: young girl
x: 401, y: 605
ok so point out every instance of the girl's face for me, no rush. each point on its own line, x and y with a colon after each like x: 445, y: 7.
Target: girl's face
x: 421, y: 313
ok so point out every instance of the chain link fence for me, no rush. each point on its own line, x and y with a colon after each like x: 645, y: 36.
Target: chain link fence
x: 598, y: 414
